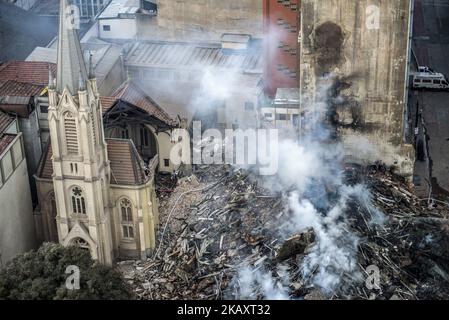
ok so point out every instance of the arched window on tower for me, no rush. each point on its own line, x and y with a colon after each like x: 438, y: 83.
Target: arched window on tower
x: 71, y: 135
x: 78, y: 201
x: 127, y: 219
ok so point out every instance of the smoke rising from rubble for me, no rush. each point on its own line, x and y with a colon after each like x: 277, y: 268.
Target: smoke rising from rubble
x: 311, y: 179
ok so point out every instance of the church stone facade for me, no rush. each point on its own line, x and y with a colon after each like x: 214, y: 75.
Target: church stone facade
x: 93, y: 191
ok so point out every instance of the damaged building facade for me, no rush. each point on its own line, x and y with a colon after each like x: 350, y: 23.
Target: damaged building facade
x: 361, y: 50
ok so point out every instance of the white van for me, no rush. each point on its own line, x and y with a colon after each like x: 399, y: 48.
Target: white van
x: 430, y: 80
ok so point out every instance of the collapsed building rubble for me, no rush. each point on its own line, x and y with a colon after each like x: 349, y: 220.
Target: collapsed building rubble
x: 219, y: 221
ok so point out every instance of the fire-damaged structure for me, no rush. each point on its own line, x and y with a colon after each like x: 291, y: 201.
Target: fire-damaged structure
x: 364, y: 47
x: 220, y: 222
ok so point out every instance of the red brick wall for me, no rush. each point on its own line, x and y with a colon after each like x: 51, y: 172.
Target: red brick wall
x: 281, y: 28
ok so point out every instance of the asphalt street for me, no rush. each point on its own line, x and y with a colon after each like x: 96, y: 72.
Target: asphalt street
x: 431, y: 46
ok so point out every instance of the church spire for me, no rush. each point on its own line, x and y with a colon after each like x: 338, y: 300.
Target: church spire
x: 70, y: 64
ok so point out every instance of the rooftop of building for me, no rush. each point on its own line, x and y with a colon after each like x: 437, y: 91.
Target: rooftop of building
x: 131, y: 93
x: 19, y: 82
x: 5, y: 141
x: 29, y: 72
x: 194, y: 55
x: 127, y: 167
x: 104, y: 56
x: 21, y: 31
x: 120, y: 9
x: 287, y: 96
x: 5, y: 121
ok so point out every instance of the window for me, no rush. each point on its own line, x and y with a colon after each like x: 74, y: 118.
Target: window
x: 249, y: 106
x: 436, y: 82
x: 427, y: 81
x: 167, y: 162
x: 71, y: 135
x: 127, y: 218
x: 44, y: 109
x: 78, y: 202
x: 74, y: 167
x: 106, y: 27
x: 144, y: 138
x: 267, y: 115
x: 282, y: 116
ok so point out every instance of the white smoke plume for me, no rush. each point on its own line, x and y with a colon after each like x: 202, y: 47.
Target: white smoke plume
x: 311, y: 178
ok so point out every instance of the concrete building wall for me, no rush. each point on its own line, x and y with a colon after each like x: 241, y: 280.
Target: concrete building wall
x: 361, y: 49
x: 213, y: 16
x: 117, y: 28
x: 16, y: 212
x: 33, y: 147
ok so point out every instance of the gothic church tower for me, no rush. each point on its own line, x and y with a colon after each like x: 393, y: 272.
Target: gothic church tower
x: 81, y: 170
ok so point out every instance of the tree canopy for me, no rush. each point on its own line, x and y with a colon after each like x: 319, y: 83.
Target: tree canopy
x: 41, y: 275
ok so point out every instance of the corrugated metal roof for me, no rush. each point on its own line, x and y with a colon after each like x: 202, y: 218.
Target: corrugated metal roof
x: 15, y: 100
x: 188, y: 55
x: 42, y: 54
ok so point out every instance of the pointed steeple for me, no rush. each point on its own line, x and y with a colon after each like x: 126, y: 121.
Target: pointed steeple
x: 70, y: 64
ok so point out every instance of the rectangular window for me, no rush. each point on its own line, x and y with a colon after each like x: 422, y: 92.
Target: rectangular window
x: 282, y: 117
x: 167, y: 162
x: 268, y: 115
x: 106, y: 27
x: 128, y: 232
x: 144, y: 139
x: 436, y: 82
x: 427, y: 81
x: 71, y: 134
x: 44, y: 109
x: 249, y: 106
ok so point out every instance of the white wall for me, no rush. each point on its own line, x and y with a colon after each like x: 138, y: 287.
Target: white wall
x: 17, y: 233
x: 120, y: 28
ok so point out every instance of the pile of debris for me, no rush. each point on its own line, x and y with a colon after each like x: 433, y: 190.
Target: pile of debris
x: 220, y: 220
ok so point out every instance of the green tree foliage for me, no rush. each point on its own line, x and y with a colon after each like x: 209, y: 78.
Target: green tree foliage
x: 40, y: 274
